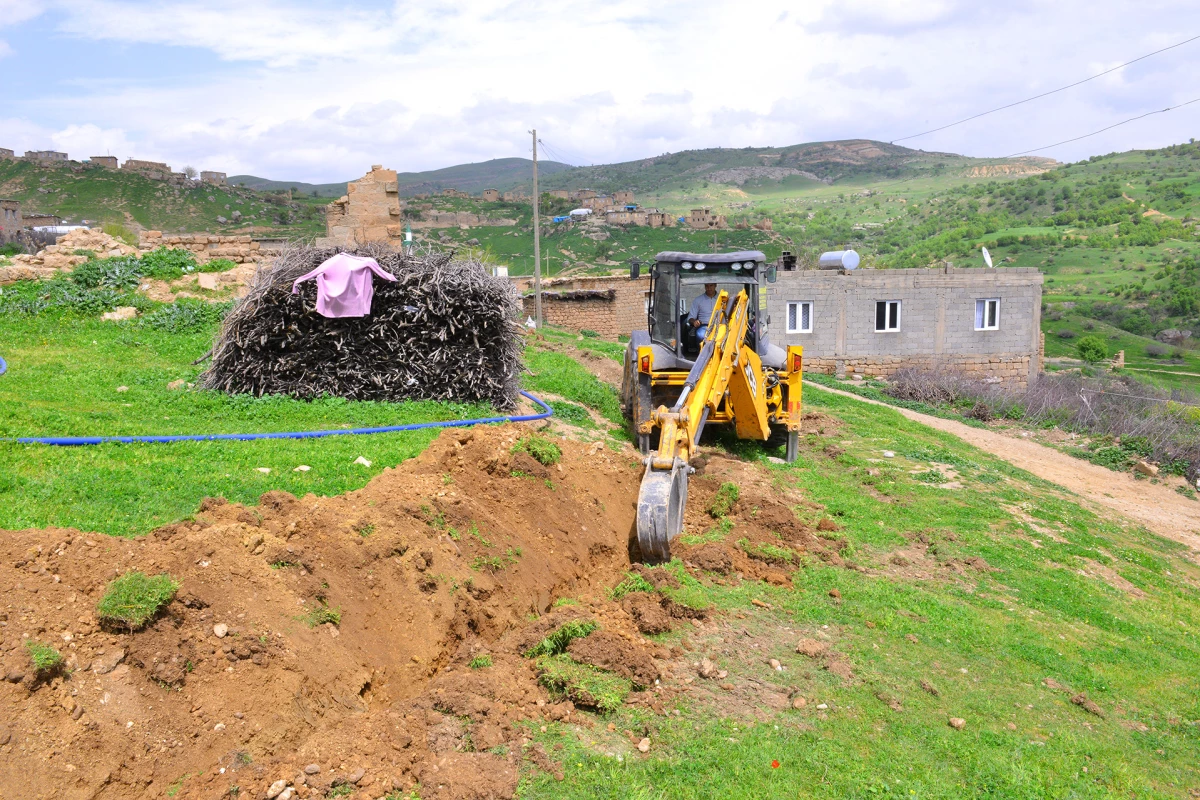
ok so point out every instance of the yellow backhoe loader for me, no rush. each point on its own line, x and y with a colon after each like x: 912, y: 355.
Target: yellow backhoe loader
x: 675, y: 382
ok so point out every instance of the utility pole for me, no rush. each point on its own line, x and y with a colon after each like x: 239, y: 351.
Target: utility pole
x: 537, y: 238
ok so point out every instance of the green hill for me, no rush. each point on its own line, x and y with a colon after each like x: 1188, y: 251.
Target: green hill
x: 83, y: 191
x: 503, y: 174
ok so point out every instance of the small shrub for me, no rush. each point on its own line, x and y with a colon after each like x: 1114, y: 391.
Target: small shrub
x: 723, y: 501
x: 1066, y: 333
x: 168, y: 263
x: 186, y: 315
x: 1091, y: 349
x: 46, y: 660
x: 135, y: 598
x: 588, y: 334
x: 1156, y: 350
x: 480, y: 662
x: 633, y: 582
x: 321, y: 615
x: 543, y: 451
x: 557, y: 641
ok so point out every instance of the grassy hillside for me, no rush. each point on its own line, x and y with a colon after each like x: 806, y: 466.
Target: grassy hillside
x: 499, y: 173
x: 79, y: 192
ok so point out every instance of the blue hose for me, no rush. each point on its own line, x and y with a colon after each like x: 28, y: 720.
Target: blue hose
x: 72, y: 441
x: 3, y: 366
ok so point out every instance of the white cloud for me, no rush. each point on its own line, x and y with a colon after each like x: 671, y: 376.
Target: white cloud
x: 316, y: 93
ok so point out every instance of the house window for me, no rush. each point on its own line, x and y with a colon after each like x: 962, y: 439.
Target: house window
x: 887, y: 315
x: 799, y: 317
x: 987, y: 314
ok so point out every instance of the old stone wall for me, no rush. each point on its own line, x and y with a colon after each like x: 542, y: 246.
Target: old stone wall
x: 238, y: 249
x: 937, y: 320
x: 609, y: 305
x: 110, y: 162
x: 10, y: 220
x: 457, y: 219
x: 368, y: 212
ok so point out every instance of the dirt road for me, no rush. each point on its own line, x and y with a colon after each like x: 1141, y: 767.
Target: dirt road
x: 1157, y: 506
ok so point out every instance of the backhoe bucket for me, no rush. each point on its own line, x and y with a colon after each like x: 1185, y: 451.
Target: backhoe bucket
x: 661, y: 501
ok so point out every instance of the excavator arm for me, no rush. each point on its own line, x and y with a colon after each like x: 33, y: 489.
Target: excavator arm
x: 726, y: 371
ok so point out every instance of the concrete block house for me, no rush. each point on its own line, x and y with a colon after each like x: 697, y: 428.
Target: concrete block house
x: 874, y: 322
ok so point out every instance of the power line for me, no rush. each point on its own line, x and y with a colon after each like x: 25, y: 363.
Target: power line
x: 1046, y: 94
x: 1109, y: 128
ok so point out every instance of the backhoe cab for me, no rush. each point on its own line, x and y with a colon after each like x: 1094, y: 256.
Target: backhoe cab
x: 675, y: 383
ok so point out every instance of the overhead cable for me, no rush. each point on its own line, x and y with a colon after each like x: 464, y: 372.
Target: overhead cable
x: 1109, y: 128
x: 1046, y: 94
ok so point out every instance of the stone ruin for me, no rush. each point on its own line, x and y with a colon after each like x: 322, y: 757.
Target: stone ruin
x: 368, y: 212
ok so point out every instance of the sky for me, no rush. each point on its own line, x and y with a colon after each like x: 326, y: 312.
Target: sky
x: 310, y: 91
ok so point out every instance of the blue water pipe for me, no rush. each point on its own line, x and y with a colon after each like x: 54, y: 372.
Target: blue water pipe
x: 75, y: 441
x: 3, y: 366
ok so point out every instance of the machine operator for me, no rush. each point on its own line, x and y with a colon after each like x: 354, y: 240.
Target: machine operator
x: 702, y: 308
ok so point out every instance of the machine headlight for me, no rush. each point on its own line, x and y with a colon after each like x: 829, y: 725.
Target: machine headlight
x: 700, y: 266
x: 686, y: 265
x: 735, y: 266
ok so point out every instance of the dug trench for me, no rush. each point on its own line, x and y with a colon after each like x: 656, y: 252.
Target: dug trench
x: 361, y: 644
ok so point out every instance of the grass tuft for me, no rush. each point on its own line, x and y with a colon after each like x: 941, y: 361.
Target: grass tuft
x: 633, y: 582
x: 558, y: 641
x: 133, y: 599
x: 582, y: 684
x: 543, y: 451
x: 46, y: 660
x: 480, y: 662
x: 723, y: 501
x: 321, y: 615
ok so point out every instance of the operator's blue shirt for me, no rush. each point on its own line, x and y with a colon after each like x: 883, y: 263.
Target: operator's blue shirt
x: 702, y: 308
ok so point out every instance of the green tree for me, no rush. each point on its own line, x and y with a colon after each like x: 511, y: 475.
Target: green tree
x: 1091, y: 349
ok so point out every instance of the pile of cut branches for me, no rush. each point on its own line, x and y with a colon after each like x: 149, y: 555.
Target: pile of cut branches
x: 445, y: 330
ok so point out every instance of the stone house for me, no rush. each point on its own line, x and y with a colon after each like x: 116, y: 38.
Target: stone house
x: 154, y: 170
x: 874, y: 322
x: 703, y: 219
x: 491, y: 196
x: 454, y: 193
x: 108, y: 162
x: 561, y: 194
x: 6, y: 153
x: 619, y: 216
x: 368, y: 212
x: 215, y: 178
x: 608, y: 305
x: 35, y: 220
x: 10, y: 220
x: 582, y: 194
x: 45, y: 155
x: 659, y: 219
x: 623, y: 198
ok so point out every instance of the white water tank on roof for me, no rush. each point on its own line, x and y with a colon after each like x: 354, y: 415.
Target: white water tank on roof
x: 839, y: 259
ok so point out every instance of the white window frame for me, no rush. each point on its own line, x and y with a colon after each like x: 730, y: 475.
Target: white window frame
x: 981, y: 314
x: 799, y: 316
x: 887, y: 316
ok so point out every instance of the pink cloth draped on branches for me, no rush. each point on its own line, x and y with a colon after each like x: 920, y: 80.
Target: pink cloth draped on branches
x: 344, y: 285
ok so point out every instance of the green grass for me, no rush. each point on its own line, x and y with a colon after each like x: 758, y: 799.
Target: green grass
x: 557, y: 641
x: 632, y: 582
x: 134, y: 599
x: 582, y: 683
x: 63, y: 380
x: 480, y: 662
x: 44, y: 658
x: 723, y: 501
x: 322, y: 615
x: 543, y: 451
x: 984, y: 639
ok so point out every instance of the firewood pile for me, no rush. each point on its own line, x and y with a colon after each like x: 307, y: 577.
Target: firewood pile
x: 445, y: 330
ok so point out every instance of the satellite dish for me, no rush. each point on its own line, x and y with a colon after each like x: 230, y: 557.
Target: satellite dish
x: 987, y: 257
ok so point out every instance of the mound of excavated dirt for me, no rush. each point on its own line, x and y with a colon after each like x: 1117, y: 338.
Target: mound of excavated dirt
x: 432, y: 564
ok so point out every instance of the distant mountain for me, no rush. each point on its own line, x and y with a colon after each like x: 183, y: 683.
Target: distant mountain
x: 499, y: 173
x: 827, y: 162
